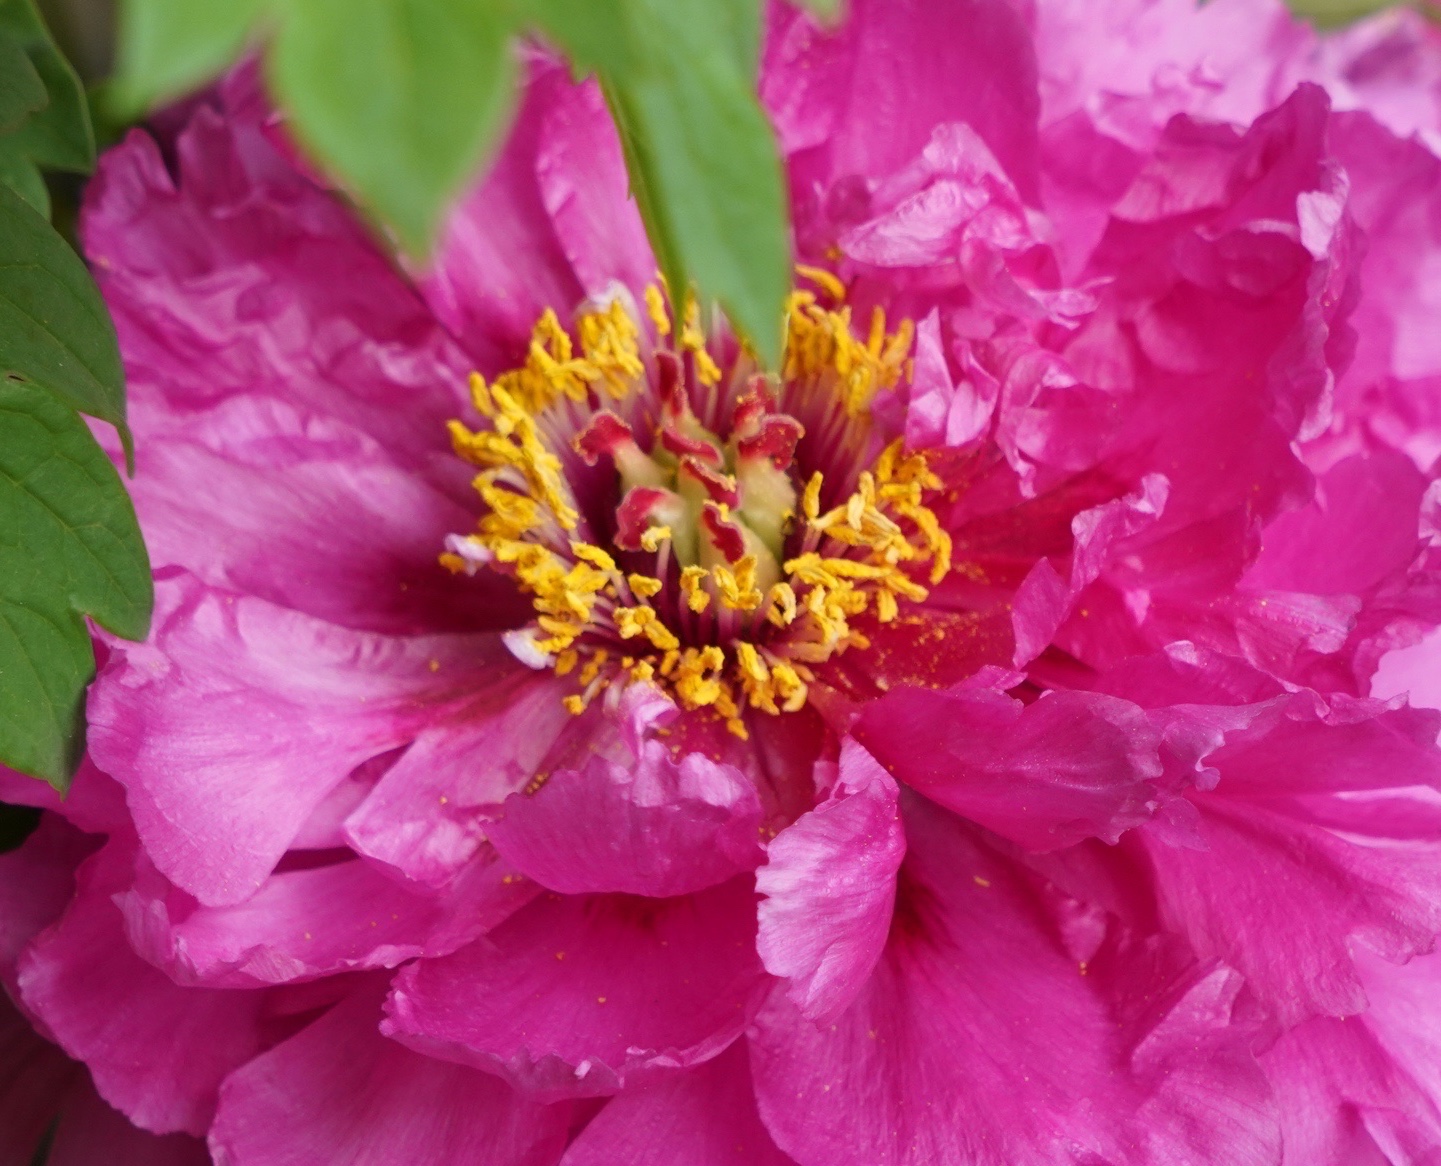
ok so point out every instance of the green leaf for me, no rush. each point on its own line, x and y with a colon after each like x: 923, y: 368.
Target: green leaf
x: 1329, y: 13
x: 168, y: 47
x: 71, y: 547
x: 827, y: 10
x: 21, y: 90
x: 23, y: 177
x: 58, y: 136
x: 54, y: 330
x: 703, y: 164
x: 592, y: 32
x: 400, y: 98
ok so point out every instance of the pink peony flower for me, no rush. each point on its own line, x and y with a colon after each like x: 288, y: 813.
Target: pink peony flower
x: 982, y: 740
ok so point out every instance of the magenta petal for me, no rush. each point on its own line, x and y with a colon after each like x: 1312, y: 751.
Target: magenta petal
x: 704, y: 1116
x: 830, y: 885
x: 37, y: 880
x: 1283, y: 900
x: 580, y: 995
x: 652, y: 824
x: 35, y: 1078
x: 874, y: 90
x: 94, y: 802
x: 91, y: 1133
x: 157, y: 1052
x: 1069, y: 766
x: 338, y: 1092
x: 303, y: 924
x: 237, y: 718
x: 980, y: 1040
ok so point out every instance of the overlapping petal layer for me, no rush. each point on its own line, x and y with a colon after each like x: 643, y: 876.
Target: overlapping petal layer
x: 1112, y: 840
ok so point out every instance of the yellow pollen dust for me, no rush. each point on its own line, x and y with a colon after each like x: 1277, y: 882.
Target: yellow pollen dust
x: 600, y: 624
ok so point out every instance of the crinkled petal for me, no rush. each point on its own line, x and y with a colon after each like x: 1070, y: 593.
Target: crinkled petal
x: 872, y: 91
x: 581, y: 995
x: 240, y: 277
x: 829, y: 883
x: 338, y: 1091
x: 1283, y: 899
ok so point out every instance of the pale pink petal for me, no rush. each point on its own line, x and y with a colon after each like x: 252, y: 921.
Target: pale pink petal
x: 829, y: 883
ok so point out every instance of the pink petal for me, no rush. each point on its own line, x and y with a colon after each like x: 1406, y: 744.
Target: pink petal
x: 1361, y: 526
x: 157, y: 1052
x: 1069, y: 766
x: 704, y: 1116
x: 653, y: 825
x: 232, y: 723
x: 340, y: 1092
x: 37, y: 880
x: 256, y: 497
x: 1366, y: 1088
x: 979, y: 1040
x: 830, y: 883
x: 581, y: 995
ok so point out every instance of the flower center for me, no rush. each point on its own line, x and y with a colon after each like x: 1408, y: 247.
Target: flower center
x: 678, y: 517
